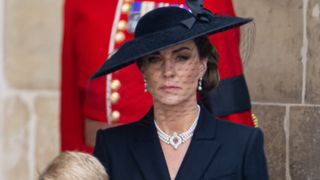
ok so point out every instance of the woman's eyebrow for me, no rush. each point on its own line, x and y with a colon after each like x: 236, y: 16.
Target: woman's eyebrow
x: 155, y: 53
x: 180, y: 49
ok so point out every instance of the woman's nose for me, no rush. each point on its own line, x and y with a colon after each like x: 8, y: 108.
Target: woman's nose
x: 168, y: 68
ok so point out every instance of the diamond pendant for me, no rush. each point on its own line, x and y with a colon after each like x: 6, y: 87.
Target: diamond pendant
x: 175, y: 141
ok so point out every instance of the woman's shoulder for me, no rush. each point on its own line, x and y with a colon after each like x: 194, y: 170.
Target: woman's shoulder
x: 130, y: 129
x: 236, y: 132
x: 119, y: 131
x: 226, y: 128
x: 113, y: 141
x: 233, y: 126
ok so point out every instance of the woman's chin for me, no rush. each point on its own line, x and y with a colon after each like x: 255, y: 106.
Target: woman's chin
x: 171, y: 100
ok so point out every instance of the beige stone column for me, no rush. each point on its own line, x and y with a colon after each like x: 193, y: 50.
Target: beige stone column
x: 284, y: 81
x: 29, y: 81
x: 2, y: 84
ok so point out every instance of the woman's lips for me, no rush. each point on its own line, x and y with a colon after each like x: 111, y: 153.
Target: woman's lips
x: 169, y: 88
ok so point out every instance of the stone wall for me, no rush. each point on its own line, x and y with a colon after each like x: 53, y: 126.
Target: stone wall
x: 283, y: 77
x: 284, y: 81
x: 29, y: 81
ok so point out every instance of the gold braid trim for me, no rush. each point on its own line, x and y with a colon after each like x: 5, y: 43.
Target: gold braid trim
x: 255, y: 120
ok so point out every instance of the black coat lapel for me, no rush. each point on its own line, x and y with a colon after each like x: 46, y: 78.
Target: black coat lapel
x: 202, y: 149
x: 147, y: 151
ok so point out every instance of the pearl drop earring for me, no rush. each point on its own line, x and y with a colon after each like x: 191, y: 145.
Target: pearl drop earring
x: 200, y: 84
x: 145, y: 85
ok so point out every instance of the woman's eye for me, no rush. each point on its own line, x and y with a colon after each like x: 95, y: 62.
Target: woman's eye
x: 182, y: 58
x: 153, y: 60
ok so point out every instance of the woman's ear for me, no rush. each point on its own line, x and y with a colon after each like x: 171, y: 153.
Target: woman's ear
x: 203, y: 66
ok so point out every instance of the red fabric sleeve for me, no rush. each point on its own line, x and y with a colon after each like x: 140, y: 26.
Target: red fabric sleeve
x: 71, y: 116
x: 70, y: 92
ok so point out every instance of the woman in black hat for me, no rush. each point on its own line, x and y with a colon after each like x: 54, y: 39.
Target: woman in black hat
x: 178, y: 139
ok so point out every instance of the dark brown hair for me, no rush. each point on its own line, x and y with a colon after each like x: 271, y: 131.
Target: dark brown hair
x: 207, y: 50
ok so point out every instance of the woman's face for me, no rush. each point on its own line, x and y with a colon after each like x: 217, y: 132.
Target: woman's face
x: 172, y: 74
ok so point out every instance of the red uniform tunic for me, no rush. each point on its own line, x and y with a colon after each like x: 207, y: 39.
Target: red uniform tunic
x: 94, y: 29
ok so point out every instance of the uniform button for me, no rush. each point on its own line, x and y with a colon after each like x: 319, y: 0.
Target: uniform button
x: 115, y: 84
x: 125, y: 8
x: 122, y: 25
x: 119, y: 37
x: 255, y: 120
x: 115, y: 115
x: 115, y: 97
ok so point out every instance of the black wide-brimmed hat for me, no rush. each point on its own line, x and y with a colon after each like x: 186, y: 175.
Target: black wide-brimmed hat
x: 165, y: 27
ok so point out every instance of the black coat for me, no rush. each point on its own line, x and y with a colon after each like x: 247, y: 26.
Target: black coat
x: 218, y: 150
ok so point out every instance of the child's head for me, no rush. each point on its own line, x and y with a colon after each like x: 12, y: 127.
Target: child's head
x: 74, y: 165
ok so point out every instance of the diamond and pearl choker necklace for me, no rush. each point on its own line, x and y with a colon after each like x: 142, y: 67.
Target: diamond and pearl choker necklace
x: 175, y: 140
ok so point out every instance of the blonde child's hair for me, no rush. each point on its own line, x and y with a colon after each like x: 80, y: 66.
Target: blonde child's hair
x: 74, y: 166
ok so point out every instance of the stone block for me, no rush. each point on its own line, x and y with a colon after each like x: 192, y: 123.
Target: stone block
x: 313, y: 63
x: 33, y: 43
x: 271, y: 121
x: 48, y: 132
x: 304, y: 143
x: 16, y: 139
x: 274, y: 72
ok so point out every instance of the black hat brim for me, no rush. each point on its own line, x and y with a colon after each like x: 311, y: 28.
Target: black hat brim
x: 134, y: 50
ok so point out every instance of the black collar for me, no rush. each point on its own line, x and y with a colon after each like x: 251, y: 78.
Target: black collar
x: 149, y: 156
